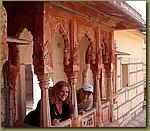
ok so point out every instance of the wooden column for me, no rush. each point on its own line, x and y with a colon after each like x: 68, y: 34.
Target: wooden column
x: 45, y: 108
x: 97, y: 68
x: 74, y: 107
x: 97, y: 100
x: 42, y: 60
x: 111, y: 74
x: 110, y: 94
x: 72, y: 70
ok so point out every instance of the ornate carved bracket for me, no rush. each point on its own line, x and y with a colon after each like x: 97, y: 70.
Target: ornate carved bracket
x: 43, y: 58
x: 105, y: 45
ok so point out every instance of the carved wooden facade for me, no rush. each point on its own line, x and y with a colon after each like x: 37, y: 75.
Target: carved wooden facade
x: 43, y: 19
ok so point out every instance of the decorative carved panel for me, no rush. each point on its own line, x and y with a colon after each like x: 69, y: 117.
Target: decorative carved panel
x: 66, y: 123
x: 87, y: 11
x: 105, y: 111
x: 105, y: 114
x: 84, y: 30
x: 88, y: 119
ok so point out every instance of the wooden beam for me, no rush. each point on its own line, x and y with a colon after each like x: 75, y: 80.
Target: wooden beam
x: 121, y: 53
x: 17, y: 41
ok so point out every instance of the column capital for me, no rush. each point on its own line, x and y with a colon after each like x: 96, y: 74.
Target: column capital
x: 44, y: 80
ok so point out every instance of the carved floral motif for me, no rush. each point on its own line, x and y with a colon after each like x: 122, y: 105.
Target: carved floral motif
x: 85, y: 31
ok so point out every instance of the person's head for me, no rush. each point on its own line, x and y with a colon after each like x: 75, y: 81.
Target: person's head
x: 85, y: 92
x: 61, y: 92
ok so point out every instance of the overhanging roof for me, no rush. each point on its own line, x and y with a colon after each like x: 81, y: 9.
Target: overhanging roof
x: 118, y: 13
x: 129, y: 17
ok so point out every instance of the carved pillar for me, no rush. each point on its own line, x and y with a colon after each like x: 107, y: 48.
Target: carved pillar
x: 97, y: 99
x: 110, y: 93
x: 96, y: 69
x: 111, y: 74
x: 72, y: 70
x: 74, y: 108
x: 45, y: 108
x: 75, y: 67
x: 42, y: 60
x: 104, y: 90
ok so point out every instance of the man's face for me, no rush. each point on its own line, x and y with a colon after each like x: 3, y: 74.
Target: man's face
x: 84, y: 95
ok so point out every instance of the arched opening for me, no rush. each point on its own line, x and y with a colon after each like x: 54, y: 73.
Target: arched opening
x: 30, y: 92
x: 58, y: 45
x: 85, y: 75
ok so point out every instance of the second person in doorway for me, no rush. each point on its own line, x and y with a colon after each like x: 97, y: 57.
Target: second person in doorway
x: 85, y: 98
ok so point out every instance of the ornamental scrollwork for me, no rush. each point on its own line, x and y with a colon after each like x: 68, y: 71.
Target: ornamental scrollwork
x: 85, y: 31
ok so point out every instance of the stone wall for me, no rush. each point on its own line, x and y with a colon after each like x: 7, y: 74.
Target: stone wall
x: 130, y: 99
